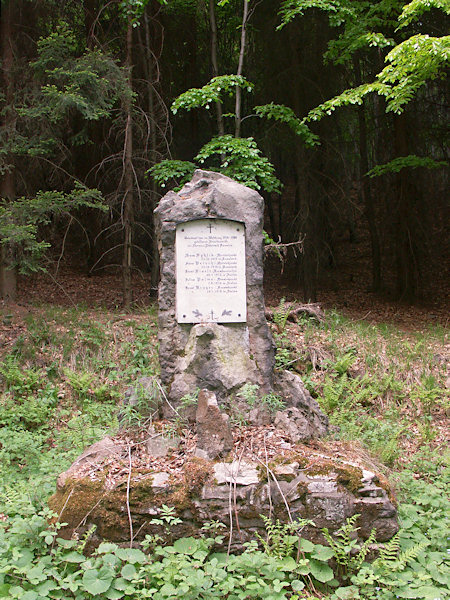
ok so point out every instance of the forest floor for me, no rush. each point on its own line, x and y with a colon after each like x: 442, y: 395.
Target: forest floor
x: 99, y: 298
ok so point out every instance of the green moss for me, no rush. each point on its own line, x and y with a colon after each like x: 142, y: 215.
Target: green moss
x: 262, y: 473
x: 142, y: 490
x: 77, y: 500
x: 196, y: 472
x: 348, y: 476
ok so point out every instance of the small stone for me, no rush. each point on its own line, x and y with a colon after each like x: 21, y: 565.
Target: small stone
x: 159, y: 480
x: 311, y: 423
x: 239, y: 472
x: 286, y: 471
x: 295, y: 425
x: 259, y: 417
x: 199, y: 453
x: 323, y: 486
x: 371, y: 491
x: 213, y: 430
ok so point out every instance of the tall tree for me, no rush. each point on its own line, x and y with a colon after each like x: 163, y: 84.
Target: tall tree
x: 8, y: 273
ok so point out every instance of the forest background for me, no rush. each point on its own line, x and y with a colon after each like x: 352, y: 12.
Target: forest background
x: 334, y: 110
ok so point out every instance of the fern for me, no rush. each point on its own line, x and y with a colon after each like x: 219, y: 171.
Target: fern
x: 348, y: 553
x: 281, y: 538
x: 389, y: 551
x: 410, y: 554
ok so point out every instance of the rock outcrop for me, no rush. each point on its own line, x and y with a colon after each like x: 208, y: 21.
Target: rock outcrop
x: 308, y: 483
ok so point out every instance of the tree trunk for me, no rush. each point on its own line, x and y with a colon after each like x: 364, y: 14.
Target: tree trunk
x: 238, y: 118
x: 406, y: 251
x: 150, y: 74
x: 214, y: 63
x: 8, y: 274
x: 128, y: 178
x: 90, y: 16
x: 366, y: 191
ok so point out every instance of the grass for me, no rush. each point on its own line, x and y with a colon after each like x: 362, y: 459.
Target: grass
x: 63, y: 373
x: 61, y: 380
x: 380, y: 385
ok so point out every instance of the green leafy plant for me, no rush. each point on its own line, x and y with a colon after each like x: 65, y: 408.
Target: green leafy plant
x: 284, y: 114
x: 146, y: 399
x: 241, y: 159
x: 249, y: 392
x: 180, y: 171
x: 212, y: 92
x: 273, y: 402
x: 281, y: 538
x: 410, y: 162
x: 348, y: 552
x: 280, y: 315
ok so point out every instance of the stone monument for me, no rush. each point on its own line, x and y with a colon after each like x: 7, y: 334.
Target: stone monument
x: 213, y: 332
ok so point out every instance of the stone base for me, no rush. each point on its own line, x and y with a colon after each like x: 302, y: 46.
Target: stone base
x: 314, y: 485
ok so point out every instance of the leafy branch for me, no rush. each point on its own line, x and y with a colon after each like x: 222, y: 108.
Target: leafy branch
x: 284, y: 114
x: 402, y: 162
x: 210, y: 93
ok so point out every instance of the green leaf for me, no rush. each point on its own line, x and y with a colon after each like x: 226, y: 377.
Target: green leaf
x: 120, y: 584
x: 179, y: 170
x: 306, y: 546
x: 131, y: 555
x: 73, y: 557
x: 406, y: 162
x: 106, y: 547
x: 287, y: 564
x: 44, y: 588
x: 425, y: 592
x: 113, y: 594
x: 347, y: 593
x: 30, y: 595
x: 321, y: 571
x: 241, y: 159
x: 211, y: 92
x: 284, y: 114
x: 97, y: 581
x: 188, y: 545
x: 322, y: 552
x: 128, y: 572
x: 297, y: 585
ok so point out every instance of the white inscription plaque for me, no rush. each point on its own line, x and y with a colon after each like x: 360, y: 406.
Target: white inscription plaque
x: 210, y: 268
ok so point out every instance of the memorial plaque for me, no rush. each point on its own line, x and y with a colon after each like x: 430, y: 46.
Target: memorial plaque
x: 210, y: 271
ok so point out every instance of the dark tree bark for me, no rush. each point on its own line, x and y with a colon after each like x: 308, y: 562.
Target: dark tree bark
x: 8, y: 275
x: 240, y: 69
x: 90, y: 15
x: 407, y: 259
x: 366, y: 191
x: 128, y: 179
x: 151, y: 68
x: 214, y: 63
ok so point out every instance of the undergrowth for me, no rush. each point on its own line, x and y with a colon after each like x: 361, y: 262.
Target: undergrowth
x: 61, y: 382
